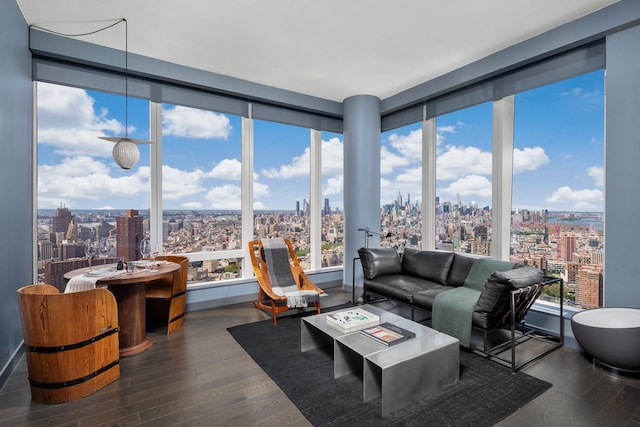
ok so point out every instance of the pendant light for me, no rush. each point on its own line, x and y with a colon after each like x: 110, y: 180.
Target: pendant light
x: 125, y: 152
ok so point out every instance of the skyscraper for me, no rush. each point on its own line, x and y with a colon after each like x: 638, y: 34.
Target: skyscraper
x: 61, y: 219
x: 129, y: 234
x: 567, y: 246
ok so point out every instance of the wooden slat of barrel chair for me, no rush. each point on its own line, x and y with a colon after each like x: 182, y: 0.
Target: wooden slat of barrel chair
x: 71, y: 341
x: 166, y: 299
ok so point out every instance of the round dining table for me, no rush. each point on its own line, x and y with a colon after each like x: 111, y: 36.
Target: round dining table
x: 129, y: 291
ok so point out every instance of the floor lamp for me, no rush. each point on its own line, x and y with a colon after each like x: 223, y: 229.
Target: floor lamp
x: 367, y: 233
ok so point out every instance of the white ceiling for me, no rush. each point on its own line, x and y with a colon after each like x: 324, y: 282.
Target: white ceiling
x: 332, y: 49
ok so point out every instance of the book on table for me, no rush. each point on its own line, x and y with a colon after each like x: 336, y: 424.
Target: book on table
x: 387, y: 333
x: 353, y: 319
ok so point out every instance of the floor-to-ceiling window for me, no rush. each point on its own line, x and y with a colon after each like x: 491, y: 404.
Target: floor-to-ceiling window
x: 558, y: 185
x: 332, y: 200
x: 401, y: 187
x: 199, y: 171
x: 81, y: 192
x: 463, y: 180
x: 201, y: 190
x: 281, y: 188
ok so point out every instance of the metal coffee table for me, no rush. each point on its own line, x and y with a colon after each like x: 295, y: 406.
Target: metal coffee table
x: 398, y: 374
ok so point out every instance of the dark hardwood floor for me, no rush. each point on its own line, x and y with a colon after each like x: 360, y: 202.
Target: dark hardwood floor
x: 200, y: 376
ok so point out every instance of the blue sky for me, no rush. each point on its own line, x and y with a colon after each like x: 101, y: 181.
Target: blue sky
x: 558, y: 158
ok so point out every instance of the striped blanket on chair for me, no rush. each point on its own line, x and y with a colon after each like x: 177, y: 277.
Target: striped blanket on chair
x: 276, y: 256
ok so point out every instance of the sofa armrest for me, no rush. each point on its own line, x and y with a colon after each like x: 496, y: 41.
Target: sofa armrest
x: 494, y: 298
x: 379, y: 261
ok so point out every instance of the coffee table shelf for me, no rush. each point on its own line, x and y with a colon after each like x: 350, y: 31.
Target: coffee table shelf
x: 398, y: 374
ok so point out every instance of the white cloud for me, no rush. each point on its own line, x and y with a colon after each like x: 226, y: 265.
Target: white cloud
x: 332, y: 165
x: 594, y: 96
x: 410, y: 146
x: 332, y: 156
x: 259, y: 191
x: 597, y: 173
x: 446, y: 129
x: 193, y: 123
x: 192, y: 205
x: 227, y: 169
x: 82, y: 178
x: 226, y: 196
x: 410, y: 175
x: 440, y: 135
x: 389, y: 161
x: 177, y: 183
x: 334, y: 185
x: 470, y: 185
x: 581, y: 199
x: 461, y: 161
x: 67, y: 121
x: 529, y: 159
x: 298, y: 166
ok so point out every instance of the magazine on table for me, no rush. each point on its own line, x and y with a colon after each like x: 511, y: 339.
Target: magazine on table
x: 387, y: 333
x: 353, y: 319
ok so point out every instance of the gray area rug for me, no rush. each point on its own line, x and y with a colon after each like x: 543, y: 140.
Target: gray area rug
x: 486, y: 393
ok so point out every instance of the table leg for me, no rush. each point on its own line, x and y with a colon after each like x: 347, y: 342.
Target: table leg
x: 132, y: 318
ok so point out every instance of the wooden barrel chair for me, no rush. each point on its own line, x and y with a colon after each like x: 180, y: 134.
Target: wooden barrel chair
x: 166, y: 298
x: 71, y: 341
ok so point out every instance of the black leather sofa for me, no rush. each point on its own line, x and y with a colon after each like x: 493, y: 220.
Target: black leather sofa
x: 507, y: 290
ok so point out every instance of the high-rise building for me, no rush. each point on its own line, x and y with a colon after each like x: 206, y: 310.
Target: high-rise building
x: 45, y: 249
x: 72, y: 250
x: 589, y: 286
x: 327, y: 209
x: 61, y: 219
x: 129, y: 234
x: 567, y: 246
x: 54, y: 271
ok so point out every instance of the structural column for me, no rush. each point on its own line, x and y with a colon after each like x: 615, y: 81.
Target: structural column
x: 622, y: 151
x: 361, y: 129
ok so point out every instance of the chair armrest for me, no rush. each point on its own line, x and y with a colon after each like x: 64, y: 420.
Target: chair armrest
x: 303, y: 281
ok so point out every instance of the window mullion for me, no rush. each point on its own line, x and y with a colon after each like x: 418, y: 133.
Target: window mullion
x: 315, y: 198
x: 502, y: 176
x: 247, y: 191
x: 155, y: 176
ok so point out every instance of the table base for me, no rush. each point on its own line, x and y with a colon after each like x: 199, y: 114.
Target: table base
x: 136, y: 349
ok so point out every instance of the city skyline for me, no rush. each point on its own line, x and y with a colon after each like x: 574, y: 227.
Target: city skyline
x: 558, y: 154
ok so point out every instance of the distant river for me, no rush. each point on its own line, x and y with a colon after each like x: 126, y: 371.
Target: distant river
x: 586, y: 222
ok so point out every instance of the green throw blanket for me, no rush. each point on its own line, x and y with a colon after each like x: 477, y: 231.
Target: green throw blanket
x: 452, y: 311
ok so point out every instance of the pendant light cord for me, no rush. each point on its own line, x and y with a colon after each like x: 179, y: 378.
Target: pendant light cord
x: 126, y: 58
x: 126, y: 78
x: 79, y: 34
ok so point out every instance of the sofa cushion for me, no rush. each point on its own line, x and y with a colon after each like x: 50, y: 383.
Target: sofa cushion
x: 460, y: 268
x: 482, y: 269
x: 429, y: 265
x: 494, y: 298
x: 424, y: 299
x: 379, y: 261
x: 397, y: 286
